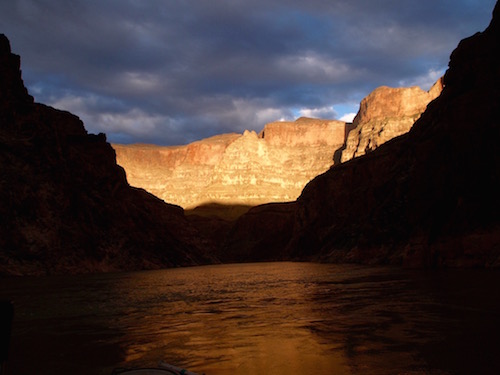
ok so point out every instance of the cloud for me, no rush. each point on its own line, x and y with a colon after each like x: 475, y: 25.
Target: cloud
x: 131, y: 121
x: 171, y: 72
x: 245, y: 112
x: 348, y: 117
x: 314, y: 68
x: 424, y: 81
x: 139, y: 83
x: 324, y: 112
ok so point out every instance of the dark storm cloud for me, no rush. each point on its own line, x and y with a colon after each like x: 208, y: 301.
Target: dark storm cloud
x: 171, y: 72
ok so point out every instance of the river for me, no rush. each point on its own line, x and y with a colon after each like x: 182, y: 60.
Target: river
x: 262, y: 318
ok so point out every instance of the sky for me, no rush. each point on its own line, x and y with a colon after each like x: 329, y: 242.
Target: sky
x: 170, y: 72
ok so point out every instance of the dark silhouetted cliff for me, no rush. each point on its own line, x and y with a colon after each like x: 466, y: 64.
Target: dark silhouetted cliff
x: 65, y: 205
x: 427, y: 198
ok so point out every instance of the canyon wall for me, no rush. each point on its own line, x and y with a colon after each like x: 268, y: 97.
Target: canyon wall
x: 385, y: 114
x: 429, y: 197
x: 274, y: 165
x: 66, y: 206
x: 236, y: 169
x: 426, y: 198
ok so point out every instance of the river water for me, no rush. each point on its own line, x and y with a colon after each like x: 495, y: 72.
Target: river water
x: 267, y: 318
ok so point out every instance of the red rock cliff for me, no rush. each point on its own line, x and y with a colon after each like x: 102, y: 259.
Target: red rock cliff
x: 385, y: 114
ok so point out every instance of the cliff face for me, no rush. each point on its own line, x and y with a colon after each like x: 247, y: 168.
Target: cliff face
x: 236, y: 169
x: 274, y: 165
x: 429, y: 197
x: 65, y: 205
x: 175, y: 174
x: 385, y: 114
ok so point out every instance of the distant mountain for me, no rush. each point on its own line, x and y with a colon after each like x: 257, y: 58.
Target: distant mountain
x: 274, y: 165
x: 66, y: 206
x: 236, y: 169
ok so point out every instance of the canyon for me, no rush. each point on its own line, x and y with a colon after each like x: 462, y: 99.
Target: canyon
x: 236, y: 169
x: 428, y: 198
x: 425, y: 198
x: 274, y: 165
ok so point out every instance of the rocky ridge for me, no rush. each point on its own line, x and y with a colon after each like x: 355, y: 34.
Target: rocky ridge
x: 385, y: 114
x: 66, y: 206
x: 236, y: 169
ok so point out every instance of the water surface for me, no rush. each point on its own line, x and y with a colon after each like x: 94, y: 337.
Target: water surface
x: 266, y: 318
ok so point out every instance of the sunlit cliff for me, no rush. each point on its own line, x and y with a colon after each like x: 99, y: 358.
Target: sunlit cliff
x: 248, y: 168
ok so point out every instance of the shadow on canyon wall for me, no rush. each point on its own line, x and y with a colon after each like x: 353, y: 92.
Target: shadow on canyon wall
x: 219, y: 210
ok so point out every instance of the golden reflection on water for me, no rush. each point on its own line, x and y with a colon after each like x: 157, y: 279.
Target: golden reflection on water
x: 272, y: 318
x: 224, y: 322
x: 277, y: 318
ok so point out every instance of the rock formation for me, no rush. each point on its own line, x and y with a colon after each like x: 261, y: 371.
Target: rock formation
x: 65, y: 205
x: 425, y: 198
x: 429, y: 197
x: 236, y: 169
x: 385, y: 114
x: 274, y: 165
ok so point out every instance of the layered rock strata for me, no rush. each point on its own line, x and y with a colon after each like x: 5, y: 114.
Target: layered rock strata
x: 274, y: 165
x: 65, y: 205
x: 385, y: 114
x: 236, y: 169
